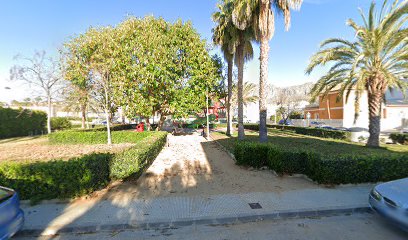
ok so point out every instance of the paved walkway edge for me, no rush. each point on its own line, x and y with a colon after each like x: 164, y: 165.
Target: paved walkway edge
x: 221, y: 220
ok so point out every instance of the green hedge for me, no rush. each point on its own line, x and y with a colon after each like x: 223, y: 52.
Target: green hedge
x: 21, y: 122
x: 335, y: 169
x: 96, y: 137
x: 317, y: 132
x: 60, y: 123
x: 401, y: 138
x: 70, y: 178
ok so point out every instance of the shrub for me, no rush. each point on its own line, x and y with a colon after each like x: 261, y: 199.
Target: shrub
x: 21, y: 122
x: 326, y: 169
x: 56, y: 179
x: 82, y: 175
x: 137, y: 158
x: 60, y: 123
x: 96, y: 137
x: 317, y: 132
x: 401, y: 138
x: 323, y: 133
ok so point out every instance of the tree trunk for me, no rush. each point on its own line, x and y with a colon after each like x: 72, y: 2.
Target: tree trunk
x: 49, y: 114
x: 161, y: 122
x: 374, y: 117
x: 229, y: 112
x: 83, y: 115
x: 240, y: 52
x: 107, y: 117
x: 264, y: 50
x: 147, y: 123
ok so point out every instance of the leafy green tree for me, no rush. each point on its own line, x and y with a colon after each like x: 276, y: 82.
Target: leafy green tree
x: 76, y: 69
x: 376, y: 61
x: 259, y: 15
x: 164, y: 68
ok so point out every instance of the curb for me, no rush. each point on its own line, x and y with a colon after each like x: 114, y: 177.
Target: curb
x: 221, y: 220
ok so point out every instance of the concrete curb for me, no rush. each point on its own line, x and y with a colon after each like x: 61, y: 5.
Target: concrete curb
x: 221, y: 220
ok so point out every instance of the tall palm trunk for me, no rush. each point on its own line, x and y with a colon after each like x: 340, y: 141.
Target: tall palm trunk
x: 375, y: 97
x: 229, y: 112
x: 264, y: 50
x: 240, y: 52
x: 263, y: 78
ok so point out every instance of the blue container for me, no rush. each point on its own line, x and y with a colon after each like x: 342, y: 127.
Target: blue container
x: 11, y: 215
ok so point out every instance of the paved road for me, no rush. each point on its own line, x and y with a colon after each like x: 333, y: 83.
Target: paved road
x: 358, y: 226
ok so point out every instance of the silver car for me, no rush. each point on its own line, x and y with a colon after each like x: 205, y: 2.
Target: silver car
x: 390, y: 200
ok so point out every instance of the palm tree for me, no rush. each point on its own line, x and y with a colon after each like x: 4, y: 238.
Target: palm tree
x: 376, y: 61
x: 225, y: 35
x: 248, y: 95
x: 259, y: 15
x: 239, y: 43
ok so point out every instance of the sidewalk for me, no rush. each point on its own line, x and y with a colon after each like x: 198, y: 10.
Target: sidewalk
x: 91, y: 216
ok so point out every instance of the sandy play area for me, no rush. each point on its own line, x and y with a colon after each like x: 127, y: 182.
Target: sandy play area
x: 190, y: 165
x: 38, y: 148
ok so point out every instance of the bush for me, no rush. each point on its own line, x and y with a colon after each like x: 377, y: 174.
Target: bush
x: 82, y: 175
x: 137, y: 158
x: 323, y: 133
x: 60, y: 123
x: 56, y: 179
x: 333, y: 169
x: 21, y: 122
x: 118, y: 127
x: 96, y: 137
x: 317, y: 132
x: 401, y: 138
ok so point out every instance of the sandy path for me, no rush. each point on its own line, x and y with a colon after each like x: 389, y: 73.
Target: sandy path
x: 192, y: 166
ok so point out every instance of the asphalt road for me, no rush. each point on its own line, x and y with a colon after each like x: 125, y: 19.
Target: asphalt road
x: 358, y: 226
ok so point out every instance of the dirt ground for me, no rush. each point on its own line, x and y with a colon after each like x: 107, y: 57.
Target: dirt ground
x: 191, y: 166
x: 38, y: 148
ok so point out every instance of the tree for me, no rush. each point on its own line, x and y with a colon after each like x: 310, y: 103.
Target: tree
x: 248, y: 95
x: 288, y: 100
x: 164, y: 68
x: 259, y: 15
x: 76, y: 68
x: 376, y: 61
x: 42, y: 74
x: 225, y: 34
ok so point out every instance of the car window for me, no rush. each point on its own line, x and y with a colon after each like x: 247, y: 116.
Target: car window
x: 4, y: 194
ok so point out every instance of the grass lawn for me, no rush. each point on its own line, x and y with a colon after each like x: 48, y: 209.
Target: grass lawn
x: 291, y: 140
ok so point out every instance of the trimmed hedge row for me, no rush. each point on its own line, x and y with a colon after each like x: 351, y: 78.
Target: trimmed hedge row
x: 317, y: 132
x: 96, y: 137
x: 21, y: 122
x: 119, y: 127
x: 82, y: 175
x: 340, y: 169
x: 401, y: 138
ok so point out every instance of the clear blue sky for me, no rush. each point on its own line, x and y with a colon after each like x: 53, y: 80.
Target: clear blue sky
x: 26, y: 26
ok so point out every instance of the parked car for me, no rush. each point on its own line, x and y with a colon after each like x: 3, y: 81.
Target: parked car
x: 390, y: 200
x: 11, y: 215
x: 287, y: 122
